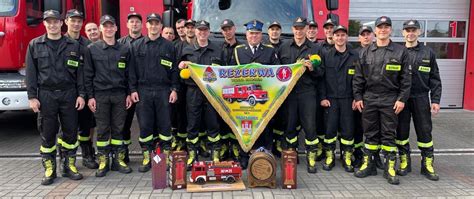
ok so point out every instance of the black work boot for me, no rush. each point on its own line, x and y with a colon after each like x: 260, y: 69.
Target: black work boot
x: 347, y: 161
x: 427, y: 168
x: 69, y: 167
x: 330, y: 162
x: 192, y: 157
x: 378, y: 161
x: 311, y: 161
x: 277, y: 148
x: 405, y: 164
x: 203, y: 149
x: 390, y: 172
x: 118, y: 161
x: 358, y: 156
x: 368, y: 166
x: 88, y: 155
x: 49, y: 164
x: 126, y: 157
x: 104, y: 164
x: 216, y: 154
x: 146, y: 162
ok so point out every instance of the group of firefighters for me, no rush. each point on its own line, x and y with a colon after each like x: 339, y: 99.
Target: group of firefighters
x: 76, y: 84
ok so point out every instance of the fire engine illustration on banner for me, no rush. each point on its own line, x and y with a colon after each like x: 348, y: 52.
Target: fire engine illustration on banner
x: 246, y: 96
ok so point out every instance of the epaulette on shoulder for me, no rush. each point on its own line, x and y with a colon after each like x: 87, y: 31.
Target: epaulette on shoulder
x: 268, y: 45
x: 240, y: 46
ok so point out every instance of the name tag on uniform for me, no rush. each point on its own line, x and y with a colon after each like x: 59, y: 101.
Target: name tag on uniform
x: 121, y: 65
x: 424, y: 69
x: 166, y: 63
x: 351, y: 71
x: 392, y: 67
x: 72, y: 63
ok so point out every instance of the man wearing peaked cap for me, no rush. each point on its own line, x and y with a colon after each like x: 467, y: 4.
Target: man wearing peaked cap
x: 108, y: 92
x: 74, y: 21
x: 381, y: 90
x: 366, y: 37
x: 134, y: 26
x: 74, y: 13
x: 312, y: 31
x: 300, y: 105
x: 383, y: 20
x: 229, y: 142
x: 55, y: 89
x: 153, y: 94
x: 254, y: 26
x: 199, y: 110
x: 335, y: 90
x: 255, y: 51
x: 274, y: 33
x: 426, y: 87
x: 153, y: 17
x: 134, y: 14
x: 189, y: 26
x: 51, y: 14
x: 324, y: 45
x: 202, y: 25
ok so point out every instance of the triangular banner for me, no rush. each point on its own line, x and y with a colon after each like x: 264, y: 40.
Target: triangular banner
x: 246, y: 96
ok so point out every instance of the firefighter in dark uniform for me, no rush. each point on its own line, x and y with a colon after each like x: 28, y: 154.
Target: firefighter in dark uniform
x: 274, y: 35
x: 178, y: 109
x: 335, y: 90
x: 301, y: 103
x: 254, y: 51
x: 426, y: 85
x: 153, y: 93
x: 189, y: 26
x: 274, y: 39
x: 381, y: 87
x: 107, y: 88
x: 366, y: 36
x: 134, y: 25
x: 312, y: 34
x: 325, y: 45
x: 199, y: 110
x: 230, y: 145
x: 74, y: 20
x: 54, y: 80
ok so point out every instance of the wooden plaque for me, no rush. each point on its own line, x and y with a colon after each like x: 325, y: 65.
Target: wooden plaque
x: 262, y: 170
x: 288, y: 169
x: 177, y: 177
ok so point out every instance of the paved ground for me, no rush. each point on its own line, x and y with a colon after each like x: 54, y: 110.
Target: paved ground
x: 21, y: 172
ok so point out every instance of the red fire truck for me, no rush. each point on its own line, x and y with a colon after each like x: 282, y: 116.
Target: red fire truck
x: 203, y: 171
x: 251, y: 93
x: 21, y: 21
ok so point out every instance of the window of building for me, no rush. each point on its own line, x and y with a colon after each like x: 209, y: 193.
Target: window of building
x: 452, y: 29
x: 445, y: 50
x: 446, y: 38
